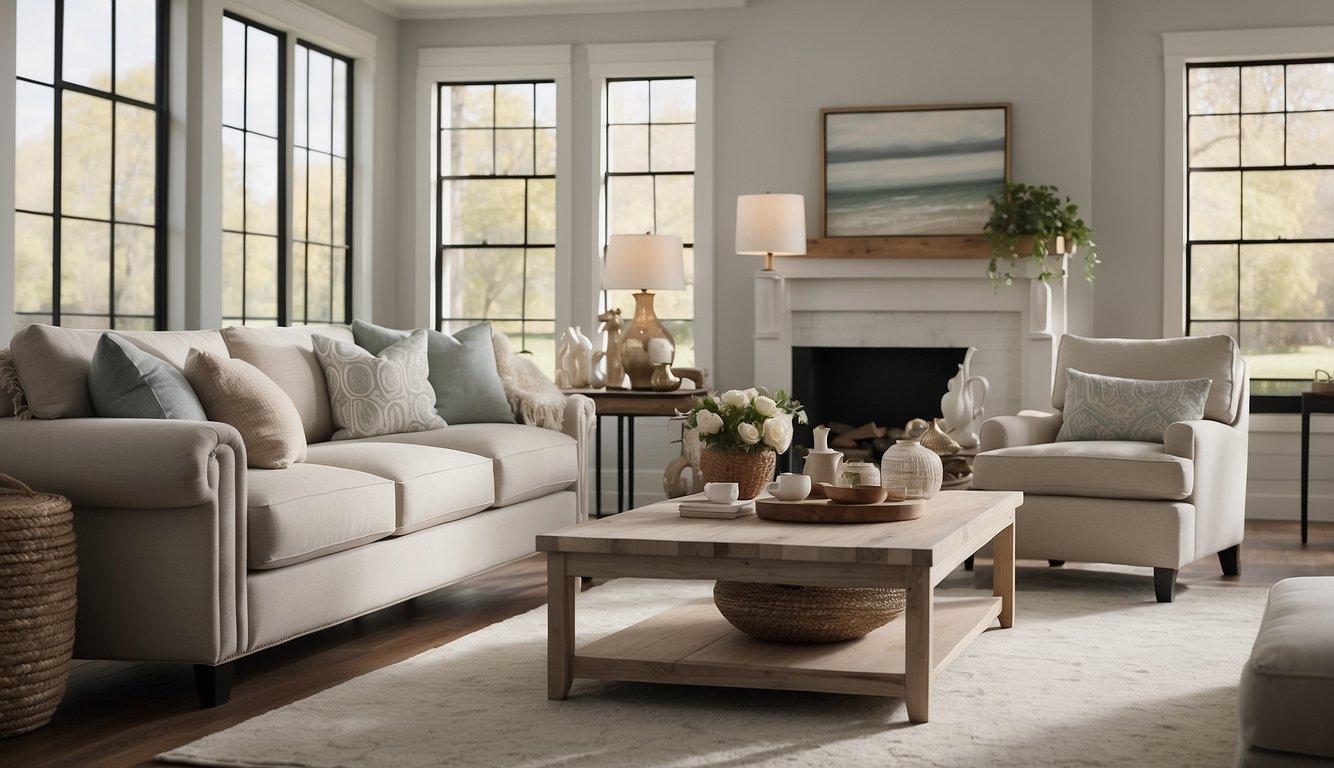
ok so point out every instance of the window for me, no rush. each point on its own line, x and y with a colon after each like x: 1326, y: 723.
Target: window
x: 254, y: 220
x: 321, y: 188
x: 649, y: 185
x: 496, y: 190
x: 90, y: 175
x: 1260, y: 213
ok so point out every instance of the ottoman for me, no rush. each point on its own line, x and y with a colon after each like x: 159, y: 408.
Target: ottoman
x: 1287, y: 686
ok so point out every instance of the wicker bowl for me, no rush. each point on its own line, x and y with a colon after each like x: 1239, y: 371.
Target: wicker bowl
x: 795, y: 614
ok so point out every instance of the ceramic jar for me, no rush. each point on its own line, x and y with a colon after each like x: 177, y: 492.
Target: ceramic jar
x: 822, y: 464
x: 916, y: 468
x: 859, y: 473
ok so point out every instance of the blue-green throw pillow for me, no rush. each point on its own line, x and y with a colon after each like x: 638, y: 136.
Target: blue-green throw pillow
x: 1111, y: 408
x: 127, y: 382
x: 463, y: 370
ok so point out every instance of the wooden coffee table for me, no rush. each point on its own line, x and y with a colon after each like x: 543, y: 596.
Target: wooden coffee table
x: 693, y: 644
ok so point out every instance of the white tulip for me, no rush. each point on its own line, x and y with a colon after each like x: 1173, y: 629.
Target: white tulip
x: 752, y: 393
x: 766, y: 406
x: 778, y: 433
x: 735, y: 398
x: 708, y: 422
x: 749, y: 433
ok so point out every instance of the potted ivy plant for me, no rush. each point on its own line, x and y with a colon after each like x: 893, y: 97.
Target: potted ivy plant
x: 1032, y: 222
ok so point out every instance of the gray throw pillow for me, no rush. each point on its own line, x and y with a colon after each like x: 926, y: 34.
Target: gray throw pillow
x: 1110, y: 408
x: 127, y: 382
x: 463, y: 370
x: 383, y: 394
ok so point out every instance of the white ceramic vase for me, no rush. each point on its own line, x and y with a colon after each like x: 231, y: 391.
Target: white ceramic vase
x: 962, y: 406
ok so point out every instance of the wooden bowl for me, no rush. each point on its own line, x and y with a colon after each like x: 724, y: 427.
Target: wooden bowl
x: 854, y: 494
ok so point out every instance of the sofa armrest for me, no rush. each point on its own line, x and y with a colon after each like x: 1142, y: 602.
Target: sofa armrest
x: 139, y: 463
x: 580, y: 423
x: 1219, y: 454
x: 1027, y: 428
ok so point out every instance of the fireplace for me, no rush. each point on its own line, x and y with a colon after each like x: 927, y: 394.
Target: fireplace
x: 891, y: 305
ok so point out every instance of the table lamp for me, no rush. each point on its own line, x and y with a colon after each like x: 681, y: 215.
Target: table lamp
x: 644, y: 262
x: 770, y: 225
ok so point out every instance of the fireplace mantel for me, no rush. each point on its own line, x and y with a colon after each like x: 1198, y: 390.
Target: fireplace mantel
x: 905, y: 302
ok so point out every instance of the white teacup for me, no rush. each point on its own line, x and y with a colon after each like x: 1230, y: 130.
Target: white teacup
x: 721, y: 493
x: 791, y: 486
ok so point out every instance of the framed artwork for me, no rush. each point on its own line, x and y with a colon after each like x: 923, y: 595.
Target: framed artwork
x: 912, y: 171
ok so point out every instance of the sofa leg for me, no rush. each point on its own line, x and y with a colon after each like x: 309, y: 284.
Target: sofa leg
x: 214, y: 684
x: 1230, y: 559
x: 1056, y: 563
x: 1164, y: 584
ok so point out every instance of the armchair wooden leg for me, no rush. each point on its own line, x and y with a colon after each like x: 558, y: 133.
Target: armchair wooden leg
x: 1056, y: 563
x: 1230, y: 560
x: 1164, y: 584
x: 214, y: 684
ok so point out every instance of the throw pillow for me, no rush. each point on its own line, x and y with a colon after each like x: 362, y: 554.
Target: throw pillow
x: 237, y: 393
x: 1111, y: 408
x: 127, y: 382
x: 463, y: 370
x: 531, y: 394
x: 373, y: 395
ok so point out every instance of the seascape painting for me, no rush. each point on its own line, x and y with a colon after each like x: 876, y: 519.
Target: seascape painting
x: 913, y: 171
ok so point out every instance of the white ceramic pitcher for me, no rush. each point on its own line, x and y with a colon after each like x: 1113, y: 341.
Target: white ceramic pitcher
x: 962, y: 406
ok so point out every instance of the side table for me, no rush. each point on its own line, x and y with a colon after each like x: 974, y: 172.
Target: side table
x: 1312, y: 402
x: 626, y: 405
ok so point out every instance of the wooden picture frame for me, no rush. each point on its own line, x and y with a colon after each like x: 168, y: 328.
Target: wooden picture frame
x: 914, y: 171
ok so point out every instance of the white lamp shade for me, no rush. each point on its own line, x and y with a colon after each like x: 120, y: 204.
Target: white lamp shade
x: 770, y: 223
x: 650, y: 262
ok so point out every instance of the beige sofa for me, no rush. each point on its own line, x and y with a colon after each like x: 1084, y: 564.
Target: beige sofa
x: 186, y: 555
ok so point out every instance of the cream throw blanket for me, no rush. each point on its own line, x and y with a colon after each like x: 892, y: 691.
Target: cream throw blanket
x: 533, y: 396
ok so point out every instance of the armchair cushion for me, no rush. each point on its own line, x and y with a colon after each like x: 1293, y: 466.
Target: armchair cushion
x: 1112, y: 408
x: 1113, y: 469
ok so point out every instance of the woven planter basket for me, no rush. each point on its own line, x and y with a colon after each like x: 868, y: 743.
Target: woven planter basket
x: 37, y: 603
x: 791, y: 614
x: 750, y: 471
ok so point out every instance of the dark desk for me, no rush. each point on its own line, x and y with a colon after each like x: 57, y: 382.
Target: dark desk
x: 1311, y: 403
x: 625, y: 405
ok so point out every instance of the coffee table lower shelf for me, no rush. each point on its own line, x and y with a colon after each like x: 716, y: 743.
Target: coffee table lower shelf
x: 693, y: 644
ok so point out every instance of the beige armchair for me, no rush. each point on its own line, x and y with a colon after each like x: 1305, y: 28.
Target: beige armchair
x: 1095, y: 496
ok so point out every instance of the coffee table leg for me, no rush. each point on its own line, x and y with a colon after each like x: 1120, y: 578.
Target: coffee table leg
x: 1002, y: 574
x: 918, y: 665
x: 561, y: 589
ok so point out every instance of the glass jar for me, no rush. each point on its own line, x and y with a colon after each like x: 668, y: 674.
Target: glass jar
x: 859, y: 473
x: 916, y: 468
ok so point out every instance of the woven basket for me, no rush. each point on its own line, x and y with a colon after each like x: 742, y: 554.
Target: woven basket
x: 750, y: 471
x: 37, y: 601
x: 791, y: 614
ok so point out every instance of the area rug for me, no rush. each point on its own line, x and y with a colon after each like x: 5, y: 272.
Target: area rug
x: 1094, y: 673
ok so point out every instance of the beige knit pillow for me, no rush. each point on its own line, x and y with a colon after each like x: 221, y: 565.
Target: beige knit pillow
x: 237, y: 393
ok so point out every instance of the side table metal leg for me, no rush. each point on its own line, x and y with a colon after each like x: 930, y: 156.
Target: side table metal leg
x: 620, y: 463
x: 631, y: 469
x: 1306, y: 461
x: 597, y: 471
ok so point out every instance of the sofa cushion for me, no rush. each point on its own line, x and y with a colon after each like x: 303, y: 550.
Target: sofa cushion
x: 463, y: 370
x: 1196, y: 357
x: 311, y: 510
x: 237, y: 393
x: 1288, y: 682
x: 432, y: 485
x: 126, y: 382
x: 287, y: 356
x: 1107, y: 469
x: 53, y: 362
x: 1112, y: 408
x: 380, y: 394
x: 528, y: 461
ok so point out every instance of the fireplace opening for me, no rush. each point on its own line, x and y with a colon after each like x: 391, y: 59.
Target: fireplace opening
x: 858, y: 386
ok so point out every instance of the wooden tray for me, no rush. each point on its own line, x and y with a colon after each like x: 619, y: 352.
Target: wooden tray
x: 826, y: 511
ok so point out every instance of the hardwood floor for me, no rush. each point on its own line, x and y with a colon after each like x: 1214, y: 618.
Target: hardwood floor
x: 120, y: 714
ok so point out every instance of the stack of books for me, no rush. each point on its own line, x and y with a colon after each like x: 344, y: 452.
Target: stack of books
x: 724, y: 510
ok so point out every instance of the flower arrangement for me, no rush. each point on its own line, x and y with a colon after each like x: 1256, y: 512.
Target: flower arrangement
x: 745, y: 420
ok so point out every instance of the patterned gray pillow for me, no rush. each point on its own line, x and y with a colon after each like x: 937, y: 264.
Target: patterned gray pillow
x: 1110, y: 408
x: 381, y: 394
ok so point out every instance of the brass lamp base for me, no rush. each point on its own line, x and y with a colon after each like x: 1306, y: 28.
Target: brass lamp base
x: 635, y: 342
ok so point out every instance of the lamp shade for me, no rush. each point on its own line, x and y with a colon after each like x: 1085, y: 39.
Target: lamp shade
x: 770, y: 224
x: 650, y: 262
